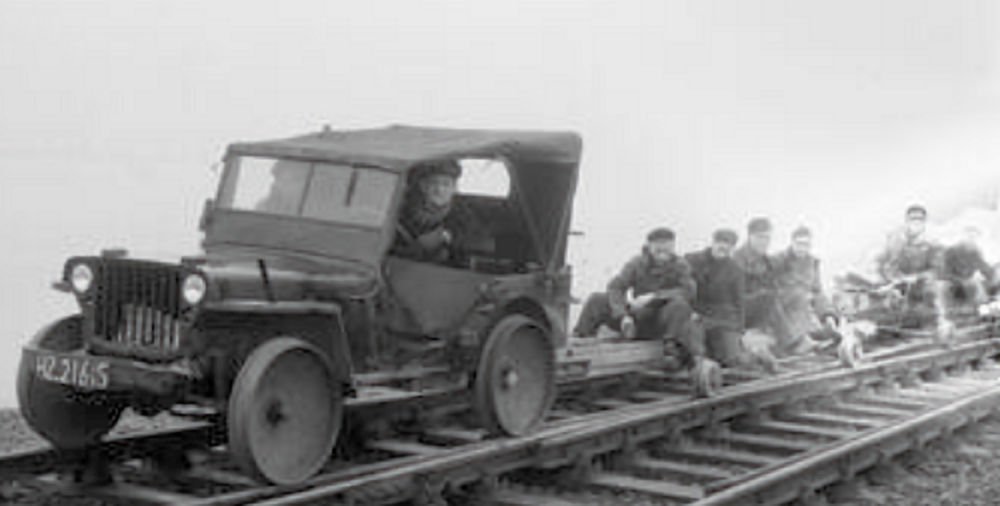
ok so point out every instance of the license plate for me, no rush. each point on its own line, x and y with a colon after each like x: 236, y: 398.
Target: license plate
x: 81, y: 372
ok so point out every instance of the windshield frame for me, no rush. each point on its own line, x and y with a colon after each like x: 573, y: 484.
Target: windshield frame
x: 226, y: 193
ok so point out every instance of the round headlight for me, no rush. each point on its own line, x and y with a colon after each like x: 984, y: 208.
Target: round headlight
x: 81, y: 277
x: 193, y: 289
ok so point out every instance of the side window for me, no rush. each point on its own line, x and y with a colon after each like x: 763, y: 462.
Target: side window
x: 484, y: 176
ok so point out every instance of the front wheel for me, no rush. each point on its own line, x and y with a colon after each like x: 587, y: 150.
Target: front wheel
x: 66, y: 418
x: 515, y: 380
x: 285, y: 412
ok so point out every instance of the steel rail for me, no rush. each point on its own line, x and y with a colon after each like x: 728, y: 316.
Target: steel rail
x: 846, y: 458
x: 47, y: 460
x: 600, y: 433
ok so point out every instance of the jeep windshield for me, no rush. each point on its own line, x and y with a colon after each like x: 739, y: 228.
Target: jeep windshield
x: 316, y: 190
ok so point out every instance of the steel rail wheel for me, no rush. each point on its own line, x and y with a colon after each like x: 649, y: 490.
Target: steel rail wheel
x: 515, y: 380
x: 66, y: 418
x: 285, y: 412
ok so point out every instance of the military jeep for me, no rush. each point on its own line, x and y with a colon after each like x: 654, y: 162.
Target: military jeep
x: 296, y: 296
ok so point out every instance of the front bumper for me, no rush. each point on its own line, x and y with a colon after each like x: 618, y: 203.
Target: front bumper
x: 84, y: 372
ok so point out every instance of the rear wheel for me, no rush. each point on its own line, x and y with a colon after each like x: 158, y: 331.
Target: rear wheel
x: 285, y: 412
x: 515, y: 380
x: 66, y: 418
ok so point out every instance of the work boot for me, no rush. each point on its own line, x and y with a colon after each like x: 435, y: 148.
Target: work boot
x: 849, y: 350
x: 706, y: 377
x: 628, y: 328
x: 944, y: 333
x: 758, y: 348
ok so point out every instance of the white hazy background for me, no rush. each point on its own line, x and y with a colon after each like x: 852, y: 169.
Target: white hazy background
x: 694, y: 114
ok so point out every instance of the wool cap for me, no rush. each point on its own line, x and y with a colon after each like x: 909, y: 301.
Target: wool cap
x: 757, y: 225
x: 660, y: 234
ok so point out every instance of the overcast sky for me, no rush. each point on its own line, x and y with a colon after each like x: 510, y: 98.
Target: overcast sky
x: 694, y: 114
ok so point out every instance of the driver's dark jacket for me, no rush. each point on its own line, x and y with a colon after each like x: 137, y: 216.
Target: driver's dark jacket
x: 644, y: 275
x: 425, y: 240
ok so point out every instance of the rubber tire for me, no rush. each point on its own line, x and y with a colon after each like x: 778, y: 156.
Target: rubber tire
x: 66, y: 418
x: 309, y: 424
x: 495, y: 409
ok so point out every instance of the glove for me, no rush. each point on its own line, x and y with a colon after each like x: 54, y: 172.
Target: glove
x: 641, y: 301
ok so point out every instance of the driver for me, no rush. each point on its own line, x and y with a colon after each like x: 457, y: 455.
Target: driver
x: 432, y: 227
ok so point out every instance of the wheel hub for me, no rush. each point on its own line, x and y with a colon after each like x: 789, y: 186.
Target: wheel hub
x: 510, y: 378
x: 274, y: 414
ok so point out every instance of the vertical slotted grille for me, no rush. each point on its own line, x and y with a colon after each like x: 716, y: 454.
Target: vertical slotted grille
x: 138, y: 306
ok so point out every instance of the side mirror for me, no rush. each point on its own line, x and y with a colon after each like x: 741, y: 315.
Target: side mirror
x: 206, y: 214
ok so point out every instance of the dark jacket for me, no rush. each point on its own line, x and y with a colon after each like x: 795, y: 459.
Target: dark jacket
x: 758, y: 270
x: 961, y: 261
x: 720, y: 287
x: 799, y: 276
x: 445, y: 238
x: 643, y: 275
x: 904, y: 255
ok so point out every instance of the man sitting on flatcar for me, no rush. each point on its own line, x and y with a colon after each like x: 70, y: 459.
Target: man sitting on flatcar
x: 809, y: 312
x: 661, y: 289
x: 910, y: 263
x: 718, y: 304
x: 960, y: 264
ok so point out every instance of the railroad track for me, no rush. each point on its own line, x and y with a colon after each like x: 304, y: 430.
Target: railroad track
x: 407, y: 465
x: 622, y: 437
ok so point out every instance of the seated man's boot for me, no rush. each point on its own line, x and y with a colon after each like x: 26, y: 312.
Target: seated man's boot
x: 945, y: 332
x: 628, y: 328
x: 706, y: 377
x: 849, y: 350
x: 758, y: 350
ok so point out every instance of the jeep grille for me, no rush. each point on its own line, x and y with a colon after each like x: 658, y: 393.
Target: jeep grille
x: 137, y: 308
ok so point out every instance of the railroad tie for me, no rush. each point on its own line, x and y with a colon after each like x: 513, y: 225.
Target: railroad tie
x: 658, y: 488
x: 651, y: 465
x: 776, y: 426
x: 762, y: 442
x: 713, y: 454
x: 454, y: 435
x: 507, y: 497
x: 647, y: 396
x: 865, y: 410
x: 948, y: 388
x: 831, y: 419
x: 404, y: 447
x: 611, y: 403
x: 892, y: 402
